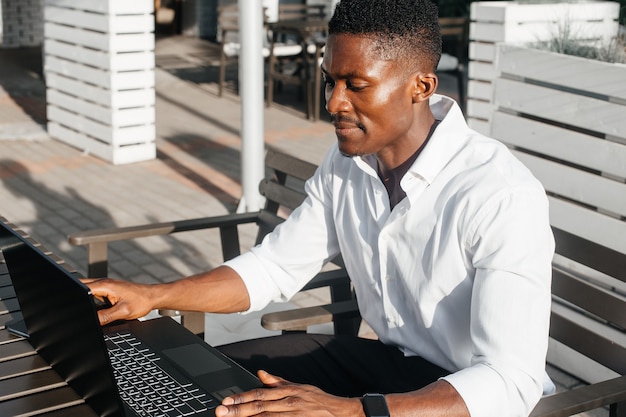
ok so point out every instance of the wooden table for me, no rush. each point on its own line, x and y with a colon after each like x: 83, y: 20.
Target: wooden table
x: 305, y: 31
x: 28, y: 386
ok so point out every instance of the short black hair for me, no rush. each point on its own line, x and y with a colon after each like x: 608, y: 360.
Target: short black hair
x: 405, y: 30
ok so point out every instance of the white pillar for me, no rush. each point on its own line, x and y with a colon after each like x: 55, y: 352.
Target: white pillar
x: 251, y: 76
x: 99, y: 67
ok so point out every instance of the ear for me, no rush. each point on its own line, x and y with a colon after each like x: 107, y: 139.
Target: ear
x: 425, y: 86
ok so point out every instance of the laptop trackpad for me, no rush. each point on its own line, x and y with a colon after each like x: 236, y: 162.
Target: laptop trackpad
x: 195, y: 359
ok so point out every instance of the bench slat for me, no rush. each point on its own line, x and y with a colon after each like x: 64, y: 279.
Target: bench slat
x: 598, y: 301
x: 280, y: 194
x: 588, y: 224
x: 603, y: 344
x: 559, y: 143
x: 593, y: 255
x: 582, y: 399
x: 576, y: 184
x: 289, y: 165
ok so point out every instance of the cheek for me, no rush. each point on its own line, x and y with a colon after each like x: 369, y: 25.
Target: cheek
x: 387, y: 108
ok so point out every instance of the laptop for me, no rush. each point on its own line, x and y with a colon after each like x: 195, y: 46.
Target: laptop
x: 117, y: 368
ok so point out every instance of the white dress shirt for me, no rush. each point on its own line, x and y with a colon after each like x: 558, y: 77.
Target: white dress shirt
x: 458, y: 272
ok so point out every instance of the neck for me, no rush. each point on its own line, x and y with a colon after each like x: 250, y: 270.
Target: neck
x: 391, y: 158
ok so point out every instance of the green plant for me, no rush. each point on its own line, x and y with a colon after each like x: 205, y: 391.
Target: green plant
x: 565, y: 41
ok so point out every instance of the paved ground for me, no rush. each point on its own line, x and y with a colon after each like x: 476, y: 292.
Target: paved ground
x: 52, y: 190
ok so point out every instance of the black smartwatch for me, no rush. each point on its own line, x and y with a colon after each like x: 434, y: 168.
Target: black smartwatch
x: 375, y: 405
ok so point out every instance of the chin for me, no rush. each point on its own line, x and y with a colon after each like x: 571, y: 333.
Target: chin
x: 347, y: 152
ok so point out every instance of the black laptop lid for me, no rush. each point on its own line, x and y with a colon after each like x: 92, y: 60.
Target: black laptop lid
x: 60, y: 316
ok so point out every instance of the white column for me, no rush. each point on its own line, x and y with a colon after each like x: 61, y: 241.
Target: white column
x: 251, y: 76
x: 99, y: 67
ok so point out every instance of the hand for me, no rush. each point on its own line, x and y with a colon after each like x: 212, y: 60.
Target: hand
x: 129, y: 301
x: 283, y: 397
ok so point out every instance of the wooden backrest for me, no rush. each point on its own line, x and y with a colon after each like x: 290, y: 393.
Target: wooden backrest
x: 228, y: 18
x: 584, y: 174
x: 589, y: 302
x: 228, y: 23
x: 283, y: 190
x: 300, y: 11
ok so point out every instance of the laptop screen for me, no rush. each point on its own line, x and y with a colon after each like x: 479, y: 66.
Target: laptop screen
x: 62, y: 322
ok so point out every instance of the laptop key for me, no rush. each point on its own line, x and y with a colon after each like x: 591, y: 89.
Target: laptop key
x: 146, y: 387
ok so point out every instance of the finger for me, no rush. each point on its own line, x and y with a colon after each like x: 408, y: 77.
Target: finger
x: 109, y: 315
x: 270, y: 380
x: 221, y: 411
x: 259, y: 395
x: 98, y: 287
x: 258, y: 407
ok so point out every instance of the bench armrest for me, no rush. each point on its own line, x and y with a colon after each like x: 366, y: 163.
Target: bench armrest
x: 300, y: 318
x: 601, y: 394
x: 97, y: 240
x: 155, y: 229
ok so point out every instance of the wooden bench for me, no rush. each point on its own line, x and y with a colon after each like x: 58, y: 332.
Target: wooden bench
x: 588, y: 320
x: 588, y: 217
x: 583, y: 171
x: 589, y: 306
x: 283, y: 191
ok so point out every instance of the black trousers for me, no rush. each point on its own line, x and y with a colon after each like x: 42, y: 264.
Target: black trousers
x: 340, y: 365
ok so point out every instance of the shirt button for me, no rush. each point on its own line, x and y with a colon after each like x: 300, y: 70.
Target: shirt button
x: 388, y: 277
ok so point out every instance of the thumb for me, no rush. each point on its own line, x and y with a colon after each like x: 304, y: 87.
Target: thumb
x: 270, y: 380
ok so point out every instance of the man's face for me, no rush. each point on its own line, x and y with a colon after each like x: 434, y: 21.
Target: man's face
x: 370, y: 100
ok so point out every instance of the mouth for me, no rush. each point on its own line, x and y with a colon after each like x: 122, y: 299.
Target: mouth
x: 345, y: 126
x: 341, y: 130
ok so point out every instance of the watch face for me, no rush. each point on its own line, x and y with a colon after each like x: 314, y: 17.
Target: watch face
x: 375, y: 405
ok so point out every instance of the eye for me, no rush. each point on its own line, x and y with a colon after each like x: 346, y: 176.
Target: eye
x: 328, y: 82
x: 354, y: 86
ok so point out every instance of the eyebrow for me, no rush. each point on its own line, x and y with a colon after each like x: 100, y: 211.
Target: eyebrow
x: 351, y: 74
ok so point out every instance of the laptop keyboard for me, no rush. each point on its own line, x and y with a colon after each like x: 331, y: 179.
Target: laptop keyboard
x: 146, y: 387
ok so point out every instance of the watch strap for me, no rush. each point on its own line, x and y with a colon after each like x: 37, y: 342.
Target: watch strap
x: 375, y: 405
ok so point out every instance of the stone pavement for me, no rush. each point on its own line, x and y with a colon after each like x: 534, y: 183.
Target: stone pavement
x: 52, y: 190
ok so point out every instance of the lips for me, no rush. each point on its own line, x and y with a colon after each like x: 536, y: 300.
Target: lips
x: 345, y: 125
x: 345, y: 128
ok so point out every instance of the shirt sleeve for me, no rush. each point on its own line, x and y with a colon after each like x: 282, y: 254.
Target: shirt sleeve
x: 512, y: 246
x: 295, y: 251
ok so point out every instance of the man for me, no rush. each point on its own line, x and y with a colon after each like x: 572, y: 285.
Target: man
x: 444, y: 233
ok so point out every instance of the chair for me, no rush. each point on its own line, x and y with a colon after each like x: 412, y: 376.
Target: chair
x: 228, y: 36
x: 455, y: 35
x: 283, y: 192
x: 166, y: 15
x: 300, y: 11
x: 304, y: 25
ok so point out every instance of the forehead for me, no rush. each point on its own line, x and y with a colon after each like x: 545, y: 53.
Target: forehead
x: 353, y: 54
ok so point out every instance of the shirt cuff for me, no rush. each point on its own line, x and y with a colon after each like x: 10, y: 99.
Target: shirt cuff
x: 487, y: 394
x: 258, y: 283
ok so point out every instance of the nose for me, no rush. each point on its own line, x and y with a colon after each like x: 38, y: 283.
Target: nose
x: 336, y: 100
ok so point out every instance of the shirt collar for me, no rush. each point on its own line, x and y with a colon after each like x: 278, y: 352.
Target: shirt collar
x: 447, y: 138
